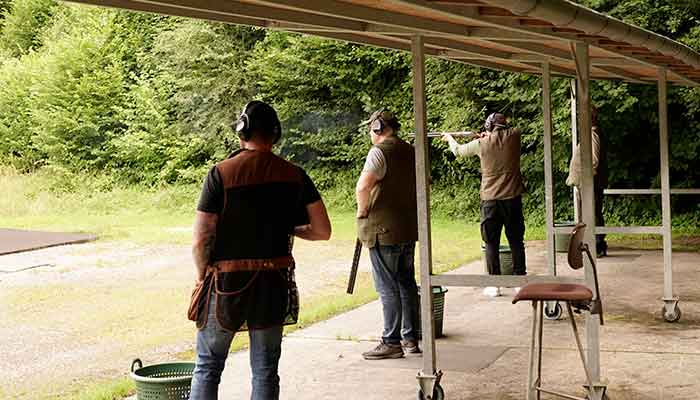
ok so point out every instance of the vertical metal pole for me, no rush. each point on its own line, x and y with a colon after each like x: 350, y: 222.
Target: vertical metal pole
x: 665, y: 189
x: 423, y: 201
x: 531, y: 392
x: 574, y: 141
x: 587, y: 197
x: 548, y: 181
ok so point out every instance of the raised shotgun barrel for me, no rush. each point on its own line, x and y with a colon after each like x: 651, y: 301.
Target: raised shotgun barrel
x: 467, y: 134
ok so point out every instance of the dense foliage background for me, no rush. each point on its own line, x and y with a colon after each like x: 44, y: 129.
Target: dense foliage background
x: 148, y: 100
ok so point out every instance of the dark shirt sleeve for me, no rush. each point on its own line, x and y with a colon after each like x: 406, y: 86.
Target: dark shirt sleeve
x: 309, y: 194
x: 212, y: 198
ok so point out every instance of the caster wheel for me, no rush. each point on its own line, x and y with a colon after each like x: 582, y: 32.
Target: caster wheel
x: 554, y: 313
x: 438, y: 394
x: 672, y: 316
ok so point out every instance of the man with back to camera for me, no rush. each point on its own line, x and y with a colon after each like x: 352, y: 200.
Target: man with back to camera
x: 501, y: 188
x: 251, y: 206
x: 387, y: 225
x: 600, y: 177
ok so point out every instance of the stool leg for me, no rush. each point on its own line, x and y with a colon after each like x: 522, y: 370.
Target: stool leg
x: 591, y: 390
x: 531, y: 393
x: 540, y: 315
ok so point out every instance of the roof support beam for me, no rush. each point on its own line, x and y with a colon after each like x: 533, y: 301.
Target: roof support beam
x: 490, y: 33
x: 166, y: 9
x: 470, y: 15
x: 621, y: 73
x: 554, y: 68
x: 362, y: 14
x: 563, y: 55
x: 245, y: 10
x: 459, y: 45
x: 495, y: 66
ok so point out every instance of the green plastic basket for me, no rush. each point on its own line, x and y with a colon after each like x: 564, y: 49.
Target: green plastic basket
x: 438, y: 311
x: 504, y: 255
x: 167, y: 381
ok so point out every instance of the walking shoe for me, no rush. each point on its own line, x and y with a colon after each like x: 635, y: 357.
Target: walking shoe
x: 410, y: 346
x: 492, y: 291
x: 384, y: 351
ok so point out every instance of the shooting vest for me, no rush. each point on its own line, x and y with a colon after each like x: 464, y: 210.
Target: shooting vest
x: 500, y: 165
x: 252, y: 273
x: 392, y: 217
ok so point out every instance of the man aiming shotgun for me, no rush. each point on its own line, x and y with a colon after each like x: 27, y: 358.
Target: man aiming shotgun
x: 498, y: 149
x: 387, y: 225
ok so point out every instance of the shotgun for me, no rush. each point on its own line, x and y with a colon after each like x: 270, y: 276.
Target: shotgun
x: 355, y: 264
x: 467, y: 134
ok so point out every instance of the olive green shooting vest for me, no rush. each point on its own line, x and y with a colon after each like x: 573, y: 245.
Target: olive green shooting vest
x: 392, y: 217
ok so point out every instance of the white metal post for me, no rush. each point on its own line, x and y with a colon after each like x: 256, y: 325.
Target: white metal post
x: 548, y: 181
x: 423, y: 202
x: 669, y: 300
x: 574, y: 141
x: 587, y: 198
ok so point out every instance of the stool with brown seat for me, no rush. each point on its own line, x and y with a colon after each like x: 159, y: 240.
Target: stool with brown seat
x: 576, y: 297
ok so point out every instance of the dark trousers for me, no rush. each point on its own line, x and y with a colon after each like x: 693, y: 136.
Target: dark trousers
x: 494, y: 215
x: 600, y: 244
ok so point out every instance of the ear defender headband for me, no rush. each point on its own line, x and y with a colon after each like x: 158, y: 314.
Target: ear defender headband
x: 258, y: 115
x: 494, y: 120
x: 380, y: 121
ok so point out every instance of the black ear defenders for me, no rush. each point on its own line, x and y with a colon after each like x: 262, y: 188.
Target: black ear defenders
x: 379, y: 122
x: 494, y: 120
x: 377, y: 125
x: 257, y: 115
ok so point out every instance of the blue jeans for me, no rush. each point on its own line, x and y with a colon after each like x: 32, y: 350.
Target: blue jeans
x: 393, y: 272
x: 213, y: 344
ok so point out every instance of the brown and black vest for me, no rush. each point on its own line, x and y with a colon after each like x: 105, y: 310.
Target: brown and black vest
x: 500, y: 165
x: 253, y: 268
x: 392, y: 217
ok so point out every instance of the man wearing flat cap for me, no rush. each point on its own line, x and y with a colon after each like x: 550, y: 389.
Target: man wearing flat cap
x: 387, y: 225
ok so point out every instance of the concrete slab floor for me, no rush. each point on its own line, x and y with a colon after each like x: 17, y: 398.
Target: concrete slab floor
x: 642, y: 357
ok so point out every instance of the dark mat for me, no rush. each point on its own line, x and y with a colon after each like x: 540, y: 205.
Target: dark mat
x: 451, y: 357
x: 15, y: 240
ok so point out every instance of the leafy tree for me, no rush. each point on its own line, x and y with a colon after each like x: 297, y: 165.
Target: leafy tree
x: 23, y: 23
